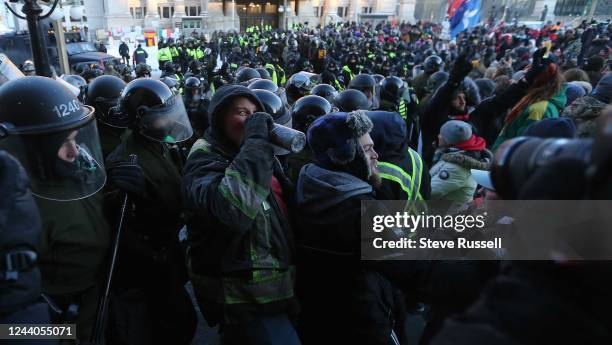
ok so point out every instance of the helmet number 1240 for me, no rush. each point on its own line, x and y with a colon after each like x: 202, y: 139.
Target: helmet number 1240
x: 66, y: 109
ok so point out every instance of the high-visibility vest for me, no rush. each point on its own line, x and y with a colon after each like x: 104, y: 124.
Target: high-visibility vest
x: 283, y: 76
x: 410, y: 184
x: 270, y: 67
x: 164, y: 54
x: 338, y: 86
x: 402, y: 109
x: 351, y: 74
x: 199, y: 53
x: 173, y: 52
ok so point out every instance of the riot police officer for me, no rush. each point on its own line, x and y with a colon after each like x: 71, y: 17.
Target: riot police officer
x: 103, y: 94
x: 326, y: 91
x: 197, y: 105
x: 56, y: 140
x: 298, y: 86
x: 304, y: 112
x: 366, y: 84
x: 152, y: 306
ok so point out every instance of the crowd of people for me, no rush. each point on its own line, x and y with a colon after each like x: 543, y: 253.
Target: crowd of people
x: 192, y: 170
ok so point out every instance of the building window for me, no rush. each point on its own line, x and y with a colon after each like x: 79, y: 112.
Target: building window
x: 571, y: 7
x: 167, y: 12
x: 342, y: 11
x: 193, y: 11
x: 138, y: 13
x: 315, y: 9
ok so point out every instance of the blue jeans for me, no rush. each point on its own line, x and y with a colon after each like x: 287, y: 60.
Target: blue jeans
x: 265, y: 330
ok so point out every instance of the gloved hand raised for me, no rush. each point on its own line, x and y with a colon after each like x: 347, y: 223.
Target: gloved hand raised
x: 538, y: 65
x: 257, y: 126
x: 461, y: 68
x: 129, y: 177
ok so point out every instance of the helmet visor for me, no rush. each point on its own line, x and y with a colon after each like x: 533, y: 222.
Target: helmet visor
x: 62, y: 165
x: 167, y: 123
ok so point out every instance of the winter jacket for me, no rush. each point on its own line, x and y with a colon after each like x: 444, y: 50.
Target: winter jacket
x: 153, y: 225
x: 404, y: 175
x: 439, y: 110
x: 584, y: 111
x: 489, y: 115
x: 124, y: 50
x: 539, y: 303
x: 20, y: 227
x: 241, y: 247
x: 343, y: 301
x: 535, y: 112
x: 451, y: 178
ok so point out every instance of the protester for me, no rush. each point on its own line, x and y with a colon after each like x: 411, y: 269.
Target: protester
x: 241, y: 254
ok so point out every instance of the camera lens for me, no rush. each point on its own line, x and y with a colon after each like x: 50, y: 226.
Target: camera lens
x: 517, y: 159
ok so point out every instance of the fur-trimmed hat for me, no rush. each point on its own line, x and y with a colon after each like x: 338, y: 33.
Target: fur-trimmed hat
x: 334, y: 142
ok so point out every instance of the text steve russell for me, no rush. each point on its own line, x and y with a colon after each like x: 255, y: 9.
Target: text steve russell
x: 426, y: 243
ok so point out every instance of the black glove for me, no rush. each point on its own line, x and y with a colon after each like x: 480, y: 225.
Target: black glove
x: 461, y: 68
x: 538, y: 65
x: 128, y: 177
x: 257, y: 126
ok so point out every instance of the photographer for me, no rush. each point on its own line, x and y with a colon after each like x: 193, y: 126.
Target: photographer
x: 557, y: 301
x: 241, y: 242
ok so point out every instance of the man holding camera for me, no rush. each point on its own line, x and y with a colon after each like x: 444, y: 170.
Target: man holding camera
x: 240, y: 239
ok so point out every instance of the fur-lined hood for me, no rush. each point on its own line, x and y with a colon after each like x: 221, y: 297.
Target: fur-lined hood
x: 481, y: 160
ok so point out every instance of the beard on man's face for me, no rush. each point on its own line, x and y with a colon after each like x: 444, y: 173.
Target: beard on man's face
x: 375, y: 180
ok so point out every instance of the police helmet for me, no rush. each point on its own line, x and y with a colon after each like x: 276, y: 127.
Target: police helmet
x: 274, y: 106
x: 55, y: 138
x: 350, y: 100
x: 246, y: 74
x: 154, y: 111
x: 326, y: 91
x: 264, y: 84
x: 307, y: 109
x: 103, y: 94
x: 433, y: 64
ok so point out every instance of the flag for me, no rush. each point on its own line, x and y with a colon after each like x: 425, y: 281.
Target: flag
x: 462, y: 15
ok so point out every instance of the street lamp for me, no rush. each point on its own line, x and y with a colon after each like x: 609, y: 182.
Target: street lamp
x: 32, y: 12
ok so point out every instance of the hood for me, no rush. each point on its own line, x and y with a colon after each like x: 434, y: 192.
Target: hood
x: 319, y: 189
x: 221, y: 98
x: 389, y: 133
x: 559, y: 100
x: 469, y: 160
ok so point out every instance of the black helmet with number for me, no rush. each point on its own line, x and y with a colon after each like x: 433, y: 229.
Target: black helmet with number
x: 326, y: 91
x: 246, y: 74
x: 433, y: 64
x: 154, y: 111
x: 307, y: 109
x: 54, y: 137
x: 264, y: 84
x: 103, y: 94
x: 392, y: 89
x: 274, y: 106
x: 297, y: 86
x: 350, y: 100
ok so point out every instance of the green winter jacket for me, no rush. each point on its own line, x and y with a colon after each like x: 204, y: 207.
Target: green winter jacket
x: 451, y: 178
x: 535, y: 112
x: 75, y: 242
x: 241, y: 247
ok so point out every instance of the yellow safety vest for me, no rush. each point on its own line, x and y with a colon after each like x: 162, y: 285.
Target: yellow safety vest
x: 410, y: 184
